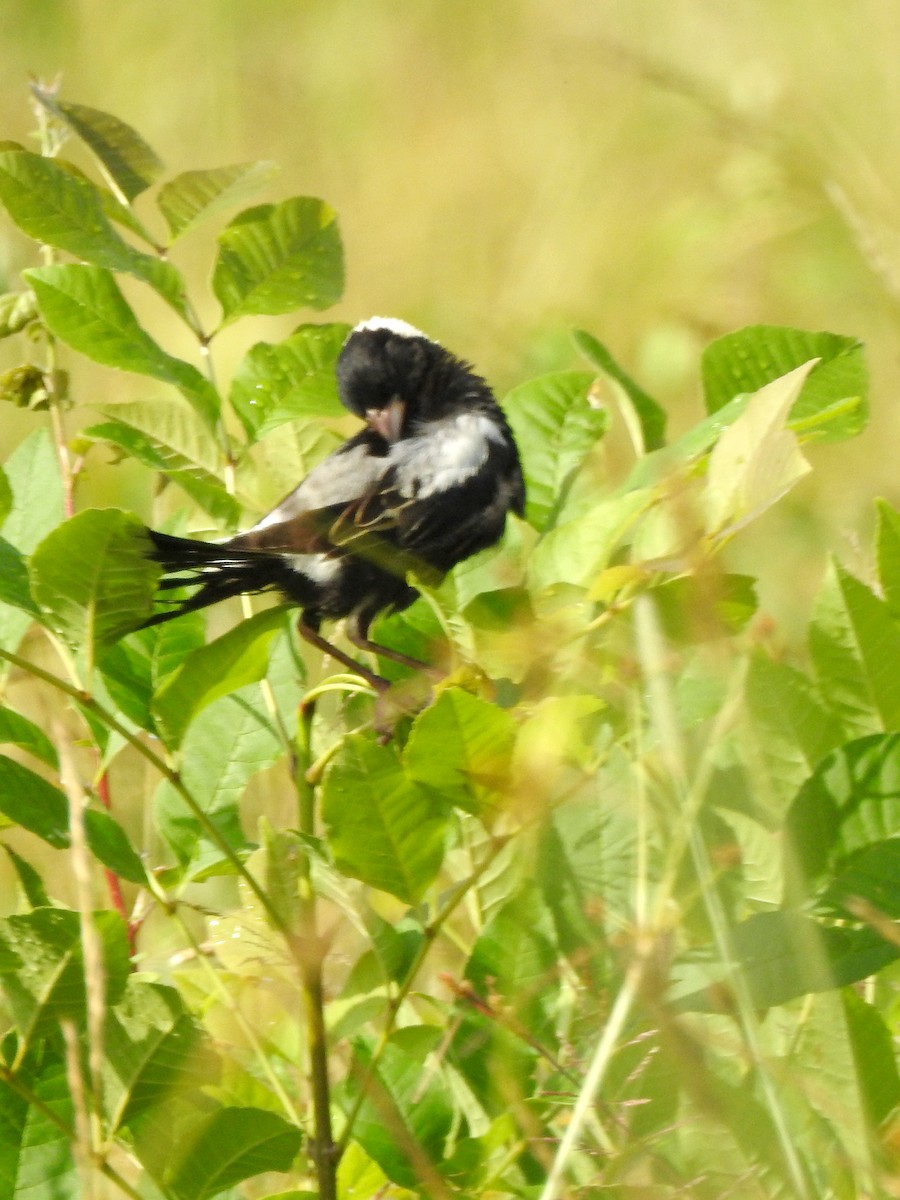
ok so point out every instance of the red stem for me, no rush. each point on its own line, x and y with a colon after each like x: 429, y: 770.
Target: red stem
x: 113, y: 884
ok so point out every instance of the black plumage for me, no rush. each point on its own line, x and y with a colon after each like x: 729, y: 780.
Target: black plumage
x: 425, y: 484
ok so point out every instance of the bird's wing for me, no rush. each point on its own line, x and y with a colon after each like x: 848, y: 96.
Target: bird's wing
x: 301, y: 523
x: 426, y: 471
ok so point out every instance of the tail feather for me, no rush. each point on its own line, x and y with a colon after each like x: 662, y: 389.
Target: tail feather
x: 220, y: 570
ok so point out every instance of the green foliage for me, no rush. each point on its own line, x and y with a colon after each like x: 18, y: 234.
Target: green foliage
x: 613, y: 910
x: 93, y: 580
x: 278, y: 257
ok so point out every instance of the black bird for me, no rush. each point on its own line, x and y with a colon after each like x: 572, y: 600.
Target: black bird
x: 424, y: 485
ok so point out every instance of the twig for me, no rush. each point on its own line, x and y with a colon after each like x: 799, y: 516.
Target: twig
x: 86, y: 701
x: 395, y: 1003
x: 310, y: 955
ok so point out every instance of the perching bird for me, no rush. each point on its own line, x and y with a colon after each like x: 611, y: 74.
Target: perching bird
x: 428, y: 482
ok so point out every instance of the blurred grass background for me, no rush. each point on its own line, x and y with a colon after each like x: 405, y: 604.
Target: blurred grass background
x: 656, y: 173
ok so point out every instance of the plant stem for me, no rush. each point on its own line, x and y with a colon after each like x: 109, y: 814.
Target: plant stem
x: 113, y: 883
x: 50, y: 145
x: 309, y: 951
x: 34, y: 1101
x: 429, y: 936
x: 86, y: 701
x: 597, y: 1069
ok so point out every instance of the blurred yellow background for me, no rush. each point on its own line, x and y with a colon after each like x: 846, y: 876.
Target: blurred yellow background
x: 657, y: 171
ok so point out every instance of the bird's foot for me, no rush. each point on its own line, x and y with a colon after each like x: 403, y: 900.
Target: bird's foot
x: 397, y: 700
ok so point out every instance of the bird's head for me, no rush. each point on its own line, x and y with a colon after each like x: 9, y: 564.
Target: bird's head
x: 396, y: 378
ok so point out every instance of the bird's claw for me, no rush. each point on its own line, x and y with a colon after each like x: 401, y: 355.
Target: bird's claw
x: 398, y: 700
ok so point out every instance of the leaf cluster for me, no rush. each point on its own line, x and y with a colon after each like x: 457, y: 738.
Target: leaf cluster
x: 615, y: 909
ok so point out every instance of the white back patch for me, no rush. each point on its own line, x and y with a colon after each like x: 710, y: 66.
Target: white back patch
x: 444, y: 455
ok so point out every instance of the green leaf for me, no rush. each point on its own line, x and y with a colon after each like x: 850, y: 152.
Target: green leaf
x: 164, y: 434
x: 225, y: 746
x: 195, y: 196
x: 19, y: 731
x: 33, y: 474
x: 659, y: 466
x: 228, y: 1146
x: 556, y: 426
x: 796, y: 728
x: 14, y: 586
x: 875, y: 1063
x: 575, y: 552
x: 239, y: 657
x: 648, y: 413
x: 36, y: 1160
x: 498, y: 569
x: 584, y: 866
x: 204, y: 489
x: 887, y: 542
x: 28, y: 800
x: 516, y: 955
x: 108, y: 841
x: 757, y: 459
x: 833, y: 402
x: 869, y: 875
x: 289, y: 380
x: 173, y: 438
x: 94, y: 579
x: 460, y: 747
x: 17, y: 312
x: 494, y: 1062
x: 855, y: 642
x: 382, y: 827
x: 395, y: 943
x: 850, y: 803
x: 25, y: 387
x: 6, y: 497
x: 42, y: 966
x: 286, y: 456
x: 279, y: 257
x: 785, y: 954
x: 84, y: 308
x: 30, y: 880
x: 827, y: 1071
x: 64, y: 209
x: 154, y: 1050
x: 137, y: 666
x: 407, y: 1094
x: 17, y: 608
x: 695, y: 608
x: 129, y: 163
x: 282, y: 852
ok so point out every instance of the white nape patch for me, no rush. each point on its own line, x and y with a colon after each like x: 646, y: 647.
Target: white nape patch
x: 394, y: 324
x: 443, y: 456
x: 317, y: 567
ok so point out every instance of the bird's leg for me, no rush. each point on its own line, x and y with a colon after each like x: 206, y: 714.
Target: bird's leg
x: 394, y: 701
x: 311, y: 634
x: 357, y: 630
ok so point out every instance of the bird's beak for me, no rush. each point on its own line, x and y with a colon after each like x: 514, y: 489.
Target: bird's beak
x: 387, y: 422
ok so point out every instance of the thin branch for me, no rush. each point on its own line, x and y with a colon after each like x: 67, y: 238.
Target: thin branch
x: 34, y: 1101
x: 395, y: 1003
x: 113, y: 883
x: 87, y: 702
x: 310, y: 954
x: 94, y: 968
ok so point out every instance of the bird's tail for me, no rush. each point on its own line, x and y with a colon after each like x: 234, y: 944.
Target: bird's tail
x: 220, y: 570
